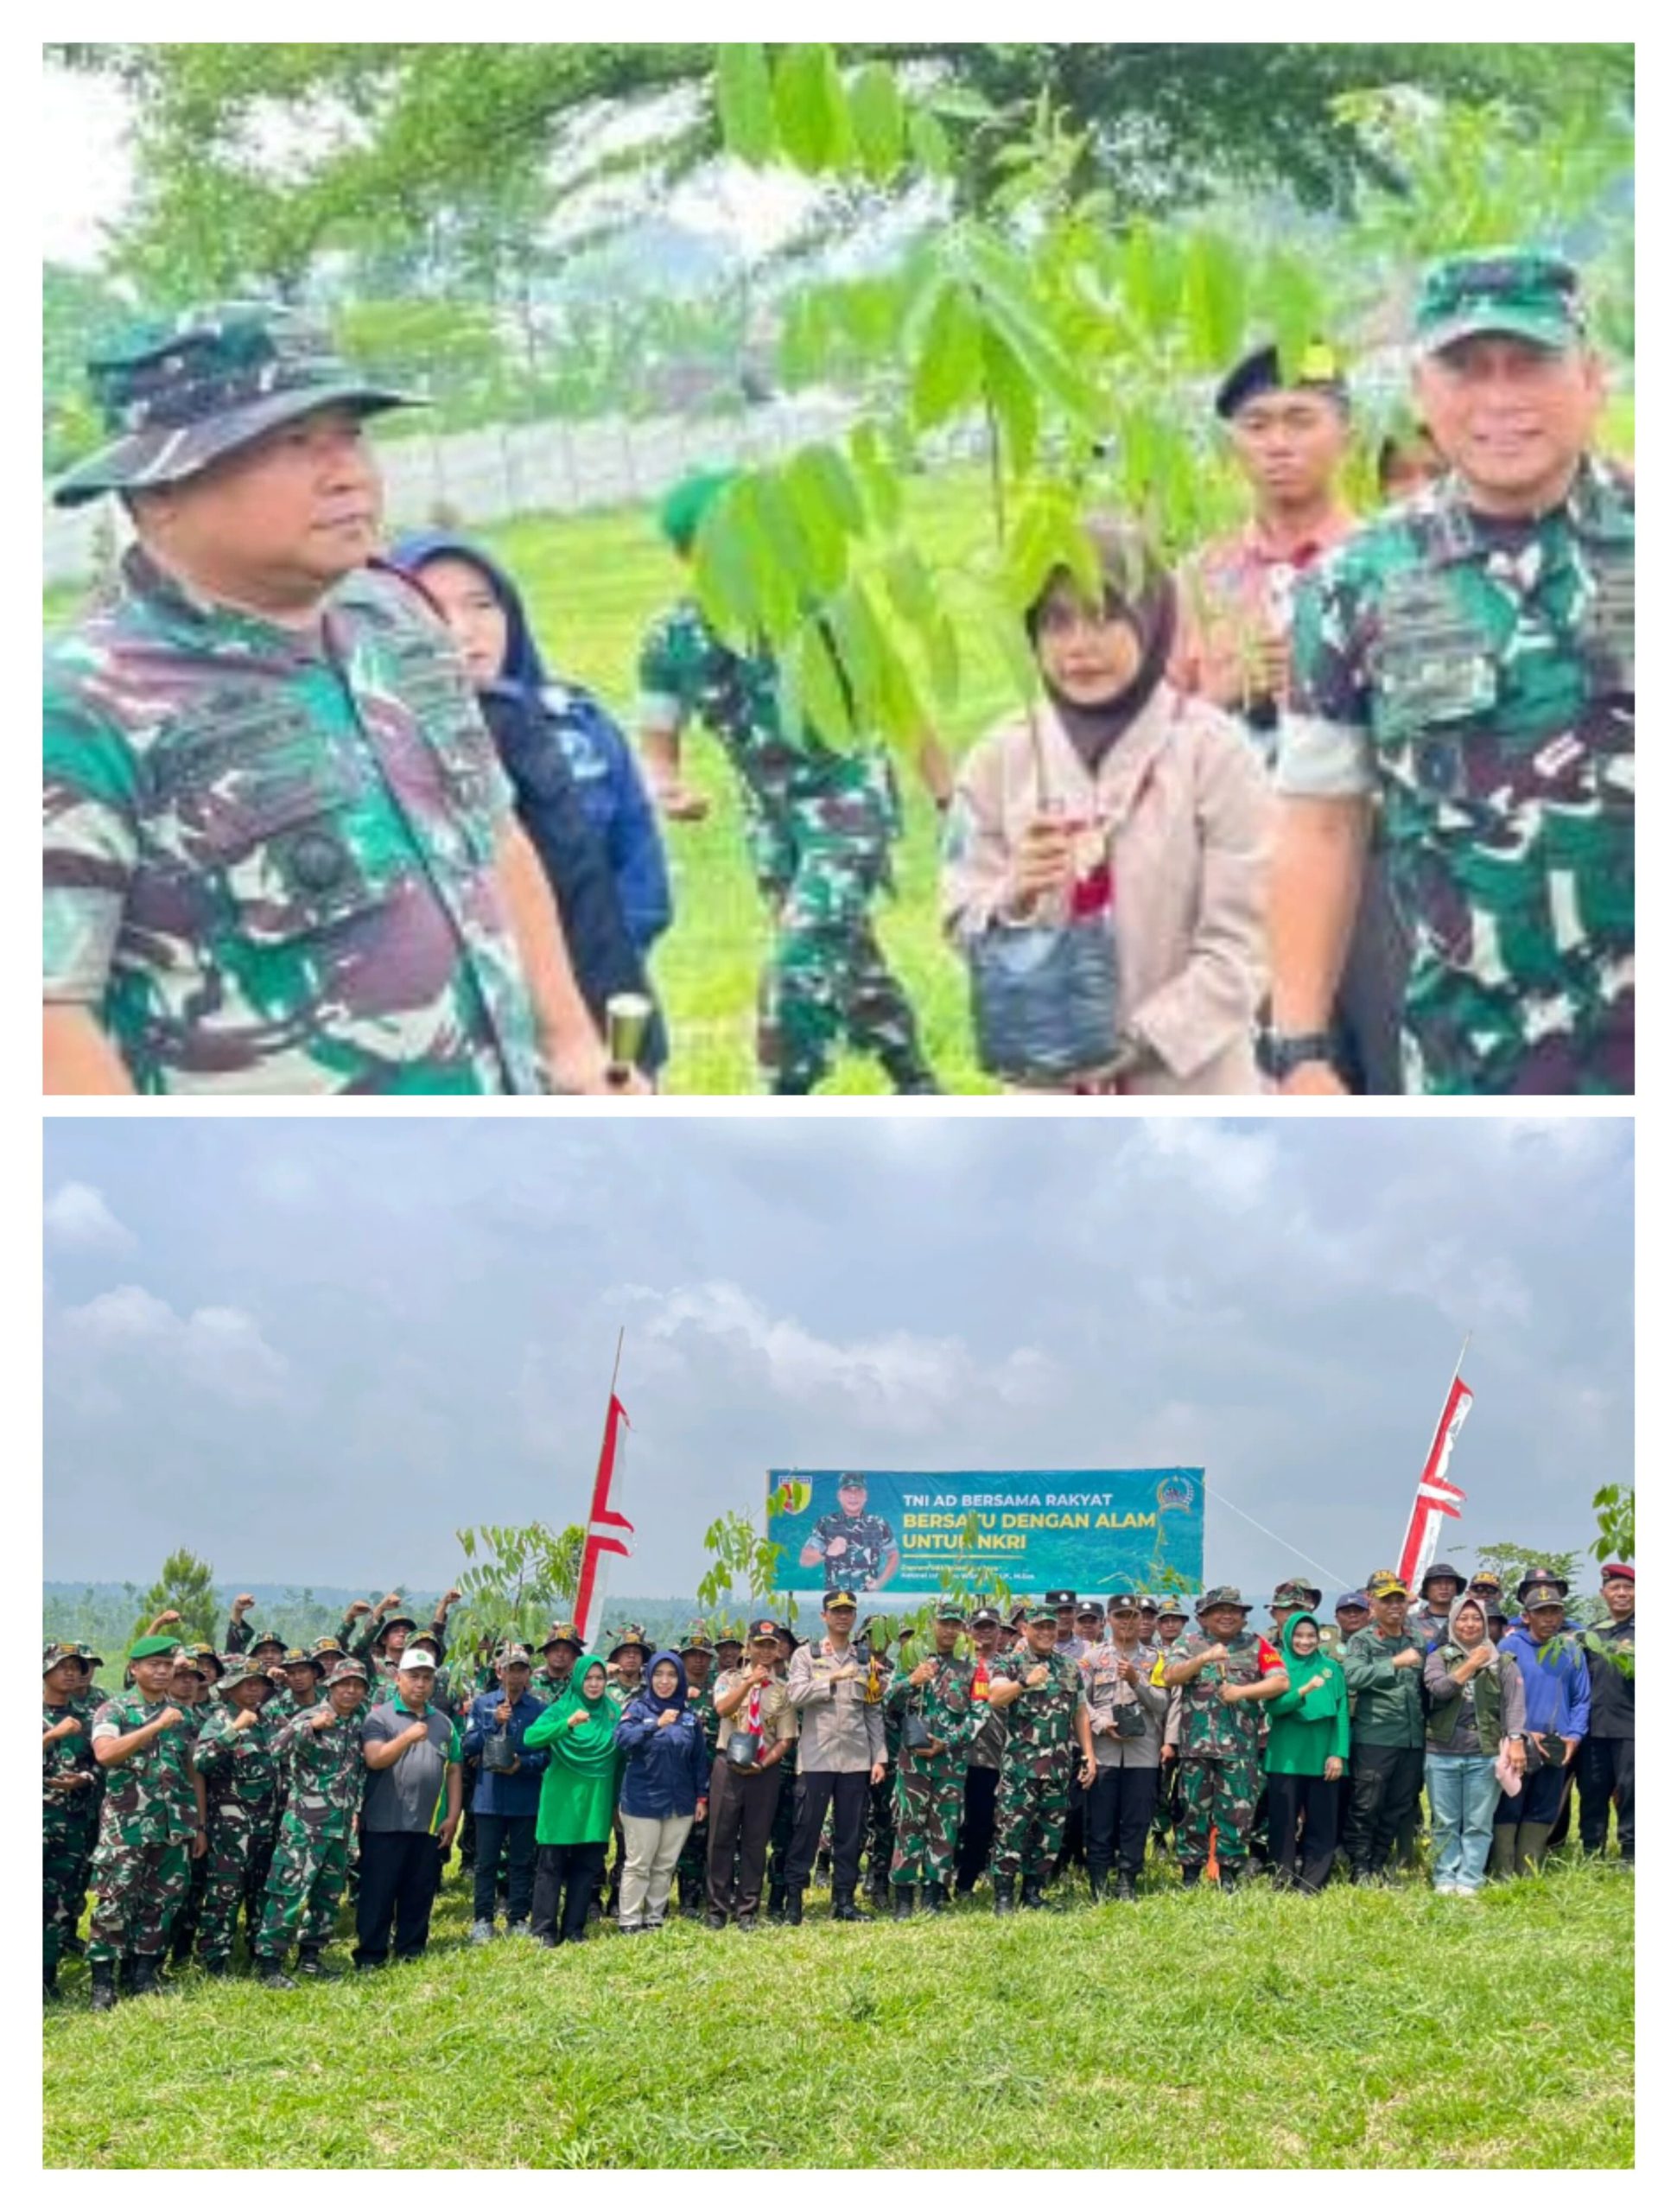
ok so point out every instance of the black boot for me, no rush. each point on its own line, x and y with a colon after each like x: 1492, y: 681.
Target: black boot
x: 1004, y: 1897
x: 271, y: 1976
x: 902, y: 1903
x: 932, y: 1896
x: 776, y: 1901
x: 218, y: 1969
x: 308, y: 1961
x: 795, y: 1905
x: 181, y: 1949
x: 1229, y: 1877
x: 1124, y: 1889
x: 716, y: 1921
x: 49, y: 1980
x: 146, y: 1983
x: 1097, y: 1888
x: 1031, y: 1898
x: 845, y: 1906
x: 1191, y: 1870
x: 105, y: 1985
x: 126, y: 1976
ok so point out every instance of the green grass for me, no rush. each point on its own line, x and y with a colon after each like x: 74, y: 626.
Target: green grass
x: 1362, y: 2028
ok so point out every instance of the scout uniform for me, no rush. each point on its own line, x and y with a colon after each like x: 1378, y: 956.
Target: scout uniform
x: 1476, y: 675
x: 241, y: 1786
x: 820, y: 824
x: 270, y: 853
x: 1039, y: 1766
x: 1218, y: 1749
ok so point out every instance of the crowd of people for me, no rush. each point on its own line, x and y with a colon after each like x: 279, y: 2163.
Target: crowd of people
x: 1341, y: 802
x: 1060, y: 1743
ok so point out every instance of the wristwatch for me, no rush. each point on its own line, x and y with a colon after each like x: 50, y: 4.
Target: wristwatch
x: 1280, y: 1054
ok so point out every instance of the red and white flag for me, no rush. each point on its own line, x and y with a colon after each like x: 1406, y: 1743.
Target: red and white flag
x: 1436, y: 1500
x: 607, y: 1530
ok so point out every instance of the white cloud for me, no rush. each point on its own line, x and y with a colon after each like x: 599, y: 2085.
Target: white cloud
x: 219, y: 1348
x: 78, y: 1218
x: 901, y: 1379
x: 1234, y: 1168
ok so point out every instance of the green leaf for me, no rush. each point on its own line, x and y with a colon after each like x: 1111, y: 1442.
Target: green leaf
x: 723, y: 574
x: 1013, y: 396
x: 946, y: 375
x: 1214, y: 298
x: 810, y: 107
x: 745, y: 101
x: 930, y: 144
x: 876, y: 121
x: 816, y: 696
x: 821, y: 470
x: 876, y: 474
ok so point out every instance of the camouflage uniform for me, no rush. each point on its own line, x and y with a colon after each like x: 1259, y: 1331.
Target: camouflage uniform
x: 691, y: 1868
x: 238, y: 1767
x: 83, y: 1704
x: 141, y: 1865
x: 269, y: 857
x: 69, y: 1822
x: 820, y: 824
x: 1477, y: 677
x: 1217, y: 1751
x: 867, y: 1540
x: 324, y: 1772
x: 1038, y: 1765
x: 931, y: 1791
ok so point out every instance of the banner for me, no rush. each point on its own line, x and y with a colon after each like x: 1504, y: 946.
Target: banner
x: 895, y: 1534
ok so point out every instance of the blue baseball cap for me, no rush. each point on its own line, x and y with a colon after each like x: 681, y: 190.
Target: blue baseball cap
x: 1358, y: 1597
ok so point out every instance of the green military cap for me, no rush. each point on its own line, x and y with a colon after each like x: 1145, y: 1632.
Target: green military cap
x: 1223, y: 1593
x: 238, y: 1670
x: 181, y: 393
x: 153, y: 1646
x: 682, y: 510
x: 839, y: 1598
x: 1045, y: 1612
x: 56, y: 1654
x: 298, y: 1658
x: 1514, y: 292
x: 952, y: 1610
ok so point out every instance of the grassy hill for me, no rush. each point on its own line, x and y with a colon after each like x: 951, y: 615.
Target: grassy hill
x: 1362, y: 2028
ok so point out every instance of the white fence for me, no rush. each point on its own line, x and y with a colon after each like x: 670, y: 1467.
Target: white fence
x: 490, y: 475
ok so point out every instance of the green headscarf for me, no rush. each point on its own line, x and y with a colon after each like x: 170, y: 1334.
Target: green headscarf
x: 1314, y: 1704
x: 579, y: 1787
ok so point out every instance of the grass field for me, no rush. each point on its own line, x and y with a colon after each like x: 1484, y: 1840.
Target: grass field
x: 1362, y: 2028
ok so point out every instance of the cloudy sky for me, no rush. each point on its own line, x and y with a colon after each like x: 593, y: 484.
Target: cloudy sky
x: 312, y: 1351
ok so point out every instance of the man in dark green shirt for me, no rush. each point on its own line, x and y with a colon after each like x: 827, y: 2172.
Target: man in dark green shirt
x: 1389, y: 1735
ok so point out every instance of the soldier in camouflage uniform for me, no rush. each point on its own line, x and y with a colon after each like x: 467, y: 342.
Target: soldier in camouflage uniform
x: 1040, y: 1691
x: 820, y: 825
x: 280, y: 852
x: 1224, y: 1672
x: 151, y: 1824
x: 85, y: 1702
x: 931, y: 1779
x: 1467, y: 662
x: 853, y: 1548
x: 198, y: 1670
x: 320, y: 1751
x: 69, y: 1801
x: 234, y: 1753
x: 697, y: 1657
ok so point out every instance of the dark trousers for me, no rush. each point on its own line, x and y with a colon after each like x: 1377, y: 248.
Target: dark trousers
x: 1118, y: 1811
x: 515, y: 1834
x: 1606, y: 1765
x: 1386, y: 1780
x: 742, y: 1810
x: 848, y: 1795
x: 400, y: 1878
x: 977, y: 1827
x: 567, y: 1872
x: 1074, y: 1846
x: 1540, y: 1794
x: 1303, y: 1863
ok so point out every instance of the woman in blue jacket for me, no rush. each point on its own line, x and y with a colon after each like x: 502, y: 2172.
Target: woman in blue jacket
x: 666, y: 1769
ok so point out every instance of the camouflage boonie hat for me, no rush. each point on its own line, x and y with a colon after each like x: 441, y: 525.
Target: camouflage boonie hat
x: 298, y: 1658
x: 182, y: 393
x: 1512, y: 292
x: 207, y: 1655
x: 1298, y: 1591
x: 515, y: 1655
x: 348, y: 1670
x: 562, y: 1633
x: 55, y: 1654
x: 264, y: 1636
x: 1171, y: 1607
x: 699, y: 1642
x: 324, y: 1647
x: 87, y: 1651
x: 1038, y: 1614
x: 1223, y: 1594
x: 241, y: 1669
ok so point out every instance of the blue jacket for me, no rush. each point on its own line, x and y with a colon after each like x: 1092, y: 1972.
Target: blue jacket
x: 666, y: 1770
x: 609, y: 783
x: 1557, y: 1679
x: 510, y: 1794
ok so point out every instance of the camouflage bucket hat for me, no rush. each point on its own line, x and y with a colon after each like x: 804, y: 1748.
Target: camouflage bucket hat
x: 347, y: 1670
x: 55, y: 1654
x: 1223, y: 1594
x: 179, y: 395
x: 1512, y: 293
x: 242, y: 1670
x: 298, y: 1658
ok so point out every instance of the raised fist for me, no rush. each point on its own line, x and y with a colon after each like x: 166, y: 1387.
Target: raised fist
x: 323, y: 1719
x: 242, y: 1604
x: 359, y: 1607
x: 169, y: 1717
x: 243, y: 1721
